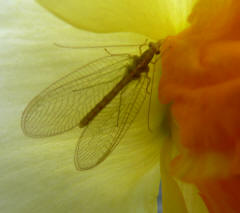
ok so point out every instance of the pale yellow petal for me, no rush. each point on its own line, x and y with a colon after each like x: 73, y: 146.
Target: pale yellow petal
x: 173, y: 200
x: 153, y: 18
x: 193, y: 200
x: 178, y: 196
x: 38, y: 175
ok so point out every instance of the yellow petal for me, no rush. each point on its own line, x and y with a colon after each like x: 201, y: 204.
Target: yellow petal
x: 153, y: 18
x: 38, y: 175
x: 194, y: 202
x: 177, y: 196
x: 173, y: 200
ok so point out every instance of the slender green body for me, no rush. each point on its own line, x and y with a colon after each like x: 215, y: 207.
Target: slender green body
x: 140, y: 65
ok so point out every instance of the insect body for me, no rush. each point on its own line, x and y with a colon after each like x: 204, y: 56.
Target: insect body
x: 103, y: 96
x: 140, y: 65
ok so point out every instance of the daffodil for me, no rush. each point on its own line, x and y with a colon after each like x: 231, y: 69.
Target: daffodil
x: 194, y: 142
x: 203, y: 86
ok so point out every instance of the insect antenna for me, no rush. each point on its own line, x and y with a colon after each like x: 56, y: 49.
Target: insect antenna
x: 102, y: 46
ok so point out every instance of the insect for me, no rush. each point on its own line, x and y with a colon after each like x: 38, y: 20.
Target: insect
x: 103, y: 97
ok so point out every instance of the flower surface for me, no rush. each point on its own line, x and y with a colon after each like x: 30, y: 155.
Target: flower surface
x: 199, y: 81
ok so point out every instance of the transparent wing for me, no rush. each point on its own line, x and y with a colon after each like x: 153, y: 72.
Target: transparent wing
x: 61, y: 106
x: 105, y: 131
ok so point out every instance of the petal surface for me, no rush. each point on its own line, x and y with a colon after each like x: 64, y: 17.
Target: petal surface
x: 38, y: 175
x: 153, y: 18
x: 177, y: 196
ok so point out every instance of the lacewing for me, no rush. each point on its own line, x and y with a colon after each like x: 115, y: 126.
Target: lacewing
x: 103, y: 97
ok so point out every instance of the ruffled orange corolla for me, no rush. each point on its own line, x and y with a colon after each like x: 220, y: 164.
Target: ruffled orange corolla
x: 201, y: 81
x: 200, y: 84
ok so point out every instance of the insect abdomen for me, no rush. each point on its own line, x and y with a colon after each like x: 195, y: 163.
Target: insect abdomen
x: 106, y: 100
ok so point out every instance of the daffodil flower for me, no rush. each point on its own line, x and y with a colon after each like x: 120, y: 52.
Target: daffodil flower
x: 203, y: 86
x: 195, y: 140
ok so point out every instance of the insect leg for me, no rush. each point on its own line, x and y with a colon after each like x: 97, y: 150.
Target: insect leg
x: 121, y: 54
x: 150, y: 84
x: 141, y: 46
x: 120, y: 102
x: 107, y: 51
x: 156, y: 59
